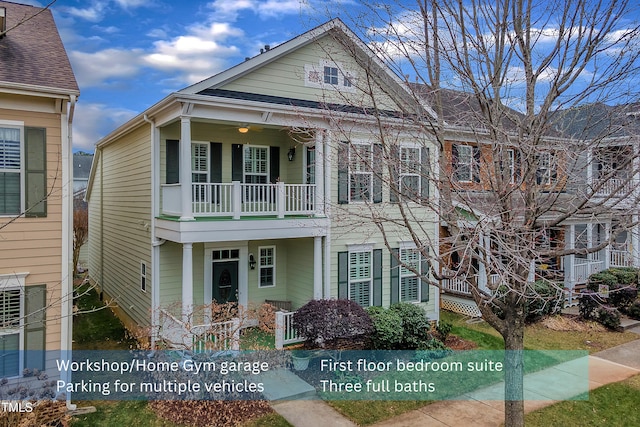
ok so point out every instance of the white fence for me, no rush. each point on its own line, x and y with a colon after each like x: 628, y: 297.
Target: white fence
x: 200, y: 338
x: 285, y: 333
x: 619, y: 258
x: 582, y: 269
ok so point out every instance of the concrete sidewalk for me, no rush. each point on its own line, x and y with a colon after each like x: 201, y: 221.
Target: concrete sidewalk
x: 608, y: 366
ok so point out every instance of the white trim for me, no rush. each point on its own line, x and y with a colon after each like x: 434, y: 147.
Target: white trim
x: 360, y: 247
x: 243, y: 269
x: 362, y: 281
x: 368, y: 164
x: 272, y: 265
x: 13, y: 280
x: 459, y: 164
x: 13, y: 124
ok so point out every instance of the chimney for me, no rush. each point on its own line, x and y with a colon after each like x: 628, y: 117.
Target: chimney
x: 3, y: 21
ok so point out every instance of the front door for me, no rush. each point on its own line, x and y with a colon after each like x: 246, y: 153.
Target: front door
x: 225, y: 281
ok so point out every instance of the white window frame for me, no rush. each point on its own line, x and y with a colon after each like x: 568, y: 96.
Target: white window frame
x: 331, y: 75
x: 11, y: 124
x: 356, y: 159
x: 546, y: 163
x: 411, y: 171
x: 511, y: 156
x: 262, y: 266
x: 405, y: 273
x: 13, y: 282
x: 468, y: 163
x: 143, y: 276
x: 355, y: 277
x: 247, y: 159
x: 199, y: 163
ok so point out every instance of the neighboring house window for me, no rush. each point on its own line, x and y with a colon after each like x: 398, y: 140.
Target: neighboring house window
x: 256, y: 165
x: 511, y: 158
x: 10, y: 171
x: 10, y: 324
x: 23, y: 174
x: 409, y: 281
x: 463, y: 163
x: 143, y: 276
x: 546, y: 172
x: 267, y: 266
x: 361, y: 278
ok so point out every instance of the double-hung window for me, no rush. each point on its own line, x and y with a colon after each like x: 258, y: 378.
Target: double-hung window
x: 546, y: 170
x: 409, y: 280
x: 267, y: 266
x: 23, y: 172
x: 464, y: 163
x: 361, y: 277
x: 256, y: 165
x: 360, y: 172
x: 331, y: 75
x: 10, y: 171
x: 11, y: 315
x: 511, y: 158
x: 410, y: 172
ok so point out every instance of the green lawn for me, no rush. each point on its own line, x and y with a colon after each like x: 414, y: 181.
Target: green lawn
x: 611, y: 405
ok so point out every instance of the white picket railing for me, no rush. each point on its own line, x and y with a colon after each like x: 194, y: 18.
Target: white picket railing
x: 619, y: 258
x: 620, y: 187
x: 285, y: 333
x: 236, y: 199
x: 582, y: 269
x: 200, y: 338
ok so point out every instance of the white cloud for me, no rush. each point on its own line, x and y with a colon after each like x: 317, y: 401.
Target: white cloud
x: 229, y: 9
x: 93, y: 13
x: 93, y: 121
x: 92, y: 69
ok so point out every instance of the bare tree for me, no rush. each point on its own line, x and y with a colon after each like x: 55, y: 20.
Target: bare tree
x: 531, y: 146
x: 80, y: 228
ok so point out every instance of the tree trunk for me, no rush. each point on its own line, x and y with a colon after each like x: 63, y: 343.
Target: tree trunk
x: 514, y: 370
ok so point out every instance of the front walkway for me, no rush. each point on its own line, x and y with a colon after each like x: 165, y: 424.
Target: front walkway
x: 608, y: 366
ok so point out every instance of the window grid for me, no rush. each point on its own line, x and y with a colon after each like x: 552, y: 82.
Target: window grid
x: 512, y: 165
x: 410, y: 171
x: 10, y: 308
x: 256, y: 164
x: 199, y: 162
x: 331, y: 75
x: 409, y: 281
x: 464, y: 168
x: 267, y: 266
x: 361, y: 172
x: 360, y: 277
x: 10, y: 171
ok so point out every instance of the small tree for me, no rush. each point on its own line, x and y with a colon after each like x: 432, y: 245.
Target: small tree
x: 80, y: 228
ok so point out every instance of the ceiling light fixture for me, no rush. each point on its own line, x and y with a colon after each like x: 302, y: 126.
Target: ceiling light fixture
x: 243, y: 129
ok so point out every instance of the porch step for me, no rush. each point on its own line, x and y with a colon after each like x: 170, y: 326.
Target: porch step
x: 282, y: 384
x: 627, y: 323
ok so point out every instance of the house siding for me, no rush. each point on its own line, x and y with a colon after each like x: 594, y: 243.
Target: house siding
x: 125, y: 221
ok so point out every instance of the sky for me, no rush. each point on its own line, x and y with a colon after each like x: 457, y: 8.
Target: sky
x: 129, y: 54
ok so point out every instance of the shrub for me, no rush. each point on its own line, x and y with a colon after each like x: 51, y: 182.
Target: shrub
x: 543, y: 298
x: 387, y: 328
x: 622, y: 295
x: 634, y: 310
x: 321, y: 321
x: 609, y: 317
x: 588, y: 303
x: 415, y: 324
x: 444, y: 329
x: 605, y: 277
x: 622, y: 283
x: 625, y: 275
x: 432, y: 349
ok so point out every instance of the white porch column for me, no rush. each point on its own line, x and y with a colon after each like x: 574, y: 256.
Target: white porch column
x: 635, y: 242
x: 317, y: 267
x: 607, y: 249
x: 185, y: 168
x: 569, y: 242
x: 319, y: 170
x: 187, y: 281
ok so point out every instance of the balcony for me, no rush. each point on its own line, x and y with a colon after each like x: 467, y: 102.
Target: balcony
x: 237, y: 200
x: 617, y: 188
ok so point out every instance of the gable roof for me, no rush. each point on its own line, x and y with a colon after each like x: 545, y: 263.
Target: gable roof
x: 82, y: 166
x: 337, y: 29
x: 32, y: 53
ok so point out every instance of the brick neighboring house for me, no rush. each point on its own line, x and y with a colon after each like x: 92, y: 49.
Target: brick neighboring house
x: 38, y: 92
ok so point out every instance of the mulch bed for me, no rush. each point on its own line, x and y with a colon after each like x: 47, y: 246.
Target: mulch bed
x: 211, y: 413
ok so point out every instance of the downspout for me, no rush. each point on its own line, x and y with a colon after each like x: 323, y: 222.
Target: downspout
x: 155, y: 242
x: 68, y: 270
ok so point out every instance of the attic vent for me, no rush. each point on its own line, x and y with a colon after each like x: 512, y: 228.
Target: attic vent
x: 3, y: 21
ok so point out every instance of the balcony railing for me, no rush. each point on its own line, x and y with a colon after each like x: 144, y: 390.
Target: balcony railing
x: 618, y: 187
x: 583, y: 268
x: 238, y: 200
x: 618, y: 258
x: 460, y: 284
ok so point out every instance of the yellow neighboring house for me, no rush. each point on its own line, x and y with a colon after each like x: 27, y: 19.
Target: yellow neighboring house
x: 38, y: 92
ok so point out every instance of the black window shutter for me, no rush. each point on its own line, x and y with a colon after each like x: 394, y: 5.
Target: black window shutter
x: 35, y: 172
x: 424, y: 283
x: 274, y: 164
x: 343, y: 172
x: 454, y: 162
x: 237, y: 162
x: 424, y: 174
x: 172, y: 161
x: 476, y: 164
x: 377, y: 277
x: 517, y: 166
x: 215, y: 152
x: 553, y: 164
x: 34, y: 330
x: 394, y: 171
x: 378, y: 157
x: 395, y: 276
x: 343, y: 275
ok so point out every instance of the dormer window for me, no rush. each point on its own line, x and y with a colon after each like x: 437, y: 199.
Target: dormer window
x: 330, y: 75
